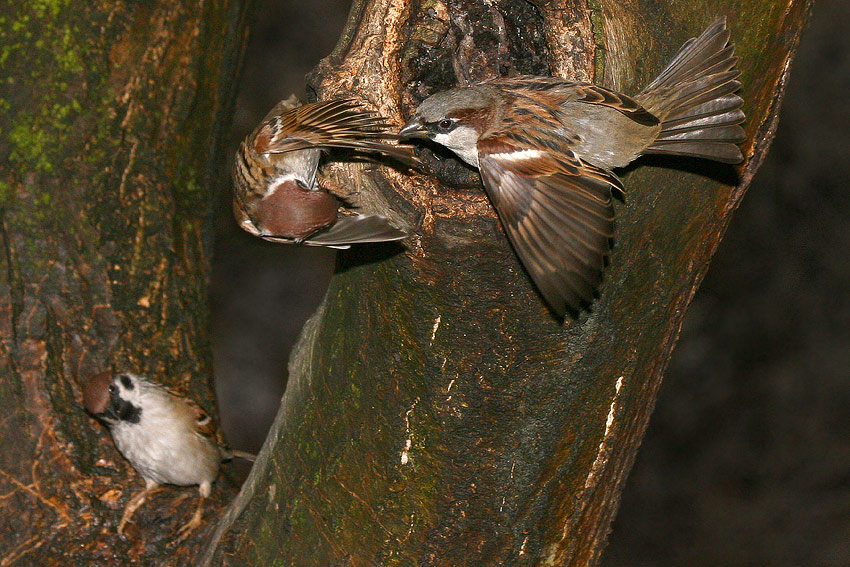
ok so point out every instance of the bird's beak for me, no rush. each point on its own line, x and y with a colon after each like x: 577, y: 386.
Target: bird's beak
x: 413, y: 129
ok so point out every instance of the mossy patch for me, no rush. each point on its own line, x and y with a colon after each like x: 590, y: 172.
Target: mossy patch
x: 48, y: 55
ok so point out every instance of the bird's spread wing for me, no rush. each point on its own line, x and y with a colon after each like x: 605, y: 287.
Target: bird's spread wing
x: 556, y: 210
x: 338, y: 123
x: 356, y: 229
x: 348, y: 230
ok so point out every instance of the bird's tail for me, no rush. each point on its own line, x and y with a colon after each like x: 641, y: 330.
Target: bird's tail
x: 695, y: 101
x: 230, y: 454
x: 359, y: 229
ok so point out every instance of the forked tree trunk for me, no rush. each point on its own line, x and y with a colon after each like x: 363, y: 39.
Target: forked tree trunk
x: 437, y: 414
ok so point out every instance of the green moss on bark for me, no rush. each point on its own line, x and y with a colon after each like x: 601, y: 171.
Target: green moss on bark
x: 99, y: 271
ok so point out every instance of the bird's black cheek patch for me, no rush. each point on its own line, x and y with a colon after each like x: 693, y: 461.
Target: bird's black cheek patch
x: 128, y: 412
x: 126, y: 382
x: 123, y: 410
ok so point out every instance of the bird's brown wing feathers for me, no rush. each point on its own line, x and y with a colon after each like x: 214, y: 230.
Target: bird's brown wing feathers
x: 338, y: 123
x: 552, y: 92
x: 557, y: 213
x: 626, y: 105
x: 193, y: 413
x: 203, y: 422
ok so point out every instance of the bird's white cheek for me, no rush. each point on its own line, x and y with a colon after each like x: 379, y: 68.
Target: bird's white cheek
x: 444, y: 140
x: 469, y: 155
x: 463, y: 142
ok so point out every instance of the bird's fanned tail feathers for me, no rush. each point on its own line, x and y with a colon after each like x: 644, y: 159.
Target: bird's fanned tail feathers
x: 694, y: 98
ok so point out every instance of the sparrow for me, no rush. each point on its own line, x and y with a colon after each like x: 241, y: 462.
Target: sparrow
x: 276, y: 194
x: 546, y: 147
x: 167, y: 438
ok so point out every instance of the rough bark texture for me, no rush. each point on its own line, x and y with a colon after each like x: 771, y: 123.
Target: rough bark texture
x: 110, y: 114
x: 436, y: 413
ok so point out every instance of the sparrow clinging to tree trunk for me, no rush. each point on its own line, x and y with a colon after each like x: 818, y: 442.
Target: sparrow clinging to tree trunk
x: 546, y: 148
x: 167, y: 438
x: 276, y: 194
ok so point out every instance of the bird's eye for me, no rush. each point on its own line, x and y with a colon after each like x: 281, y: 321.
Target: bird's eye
x: 446, y: 124
x: 112, y: 389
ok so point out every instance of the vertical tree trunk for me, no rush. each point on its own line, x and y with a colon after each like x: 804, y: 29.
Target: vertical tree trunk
x: 436, y: 414
x: 110, y: 117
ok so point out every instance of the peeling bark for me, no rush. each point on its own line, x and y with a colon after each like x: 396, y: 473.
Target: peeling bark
x: 436, y: 414
x: 110, y: 116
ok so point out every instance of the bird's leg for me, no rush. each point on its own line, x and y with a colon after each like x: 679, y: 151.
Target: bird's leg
x: 205, y: 488
x: 135, y: 502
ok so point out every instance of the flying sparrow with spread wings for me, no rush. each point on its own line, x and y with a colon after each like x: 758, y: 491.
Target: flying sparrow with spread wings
x: 277, y: 196
x: 546, y: 148
x: 167, y: 438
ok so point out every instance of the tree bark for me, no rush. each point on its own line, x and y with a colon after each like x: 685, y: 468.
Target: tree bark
x: 436, y: 413
x: 110, y: 119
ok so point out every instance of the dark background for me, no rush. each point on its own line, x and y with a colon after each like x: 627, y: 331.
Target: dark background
x: 747, y: 457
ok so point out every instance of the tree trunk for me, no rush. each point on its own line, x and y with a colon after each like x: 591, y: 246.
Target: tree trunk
x: 436, y: 413
x: 110, y: 118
